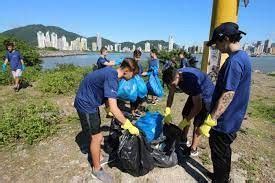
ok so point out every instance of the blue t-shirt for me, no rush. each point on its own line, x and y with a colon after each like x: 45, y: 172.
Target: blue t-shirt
x: 14, y: 59
x: 95, y: 88
x: 100, y: 62
x: 234, y: 75
x: 140, y: 68
x: 154, y: 66
x: 195, y: 82
x: 184, y: 63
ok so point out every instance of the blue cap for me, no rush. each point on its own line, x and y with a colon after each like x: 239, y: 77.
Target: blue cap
x: 225, y: 29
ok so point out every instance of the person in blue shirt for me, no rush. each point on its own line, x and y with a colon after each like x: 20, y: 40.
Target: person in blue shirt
x: 200, y: 88
x: 183, y: 61
x: 139, y: 102
x: 102, y: 60
x: 95, y: 89
x: 230, y: 98
x: 14, y: 58
x: 153, y: 68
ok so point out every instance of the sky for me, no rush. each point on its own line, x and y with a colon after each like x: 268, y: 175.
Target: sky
x: 188, y: 21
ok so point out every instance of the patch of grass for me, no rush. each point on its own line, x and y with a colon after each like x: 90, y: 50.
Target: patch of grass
x: 250, y: 166
x: 259, y: 109
x: 65, y: 79
x: 205, y: 158
x: 27, y: 121
x: 271, y: 74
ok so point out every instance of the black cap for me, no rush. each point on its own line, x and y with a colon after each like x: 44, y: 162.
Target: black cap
x: 225, y: 29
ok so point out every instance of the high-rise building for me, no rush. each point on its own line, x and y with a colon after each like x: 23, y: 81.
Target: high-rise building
x: 48, y: 40
x: 159, y: 47
x: 272, y: 49
x: 267, y: 46
x: 41, y: 39
x: 147, y: 47
x: 59, y: 44
x: 98, y: 41
x: 76, y: 44
x: 94, y: 46
x: 134, y: 47
x: 54, y: 40
x: 65, y: 44
x: 118, y: 47
x: 170, y: 43
x: 83, y: 44
x: 139, y: 48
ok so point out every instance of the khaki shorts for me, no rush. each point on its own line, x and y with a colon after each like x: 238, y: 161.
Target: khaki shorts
x: 17, y: 73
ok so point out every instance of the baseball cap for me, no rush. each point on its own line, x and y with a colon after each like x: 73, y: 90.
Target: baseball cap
x: 225, y: 29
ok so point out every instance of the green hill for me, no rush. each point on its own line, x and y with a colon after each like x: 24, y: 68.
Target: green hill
x: 28, y: 33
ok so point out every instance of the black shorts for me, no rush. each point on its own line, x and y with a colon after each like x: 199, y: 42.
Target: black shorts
x: 200, y: 117
x: 90, y: 123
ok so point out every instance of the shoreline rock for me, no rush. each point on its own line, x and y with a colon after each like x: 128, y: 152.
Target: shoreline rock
x: 47, y: 53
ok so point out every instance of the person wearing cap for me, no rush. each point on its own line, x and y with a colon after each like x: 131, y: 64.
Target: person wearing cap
x: 229, y: 100
x: 199, y: 87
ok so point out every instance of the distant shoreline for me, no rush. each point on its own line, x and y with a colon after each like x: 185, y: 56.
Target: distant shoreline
x: 47, y: 53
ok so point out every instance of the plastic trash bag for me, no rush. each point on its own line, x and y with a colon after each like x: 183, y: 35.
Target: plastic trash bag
x: 119, y: 61
x: 127, y: 90
x: 141, y: 87
x: 164, y: 158
x: 134, y: 155
x: 154, y: 86
x: 151, y: 125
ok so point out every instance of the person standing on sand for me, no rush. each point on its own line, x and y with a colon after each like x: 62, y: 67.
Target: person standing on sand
x: 230, y: 98
x: 16, y: 63
x: 97, y: 87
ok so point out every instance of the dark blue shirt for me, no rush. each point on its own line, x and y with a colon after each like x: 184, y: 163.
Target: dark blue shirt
x: 14, y: 59
x: 95, y: 88
x: 100, y: 62
x: 154, y: 66
x: 195, y: 82
x: 184, y: 63
x: 140, y: 68
x: 234, y: 75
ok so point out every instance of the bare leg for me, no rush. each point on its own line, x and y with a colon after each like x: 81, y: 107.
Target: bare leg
x: 95, y: 150
x: 196, y: 138
x: 17, y: 82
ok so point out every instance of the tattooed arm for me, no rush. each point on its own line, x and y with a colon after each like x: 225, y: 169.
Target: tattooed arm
x: 222, y: 104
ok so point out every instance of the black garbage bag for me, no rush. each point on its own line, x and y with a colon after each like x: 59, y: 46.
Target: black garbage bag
x: 134, y: 155
x: 164, y: 153
x: 114, y: 134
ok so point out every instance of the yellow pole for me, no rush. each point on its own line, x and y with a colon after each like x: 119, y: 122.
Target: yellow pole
x: 222, y: 11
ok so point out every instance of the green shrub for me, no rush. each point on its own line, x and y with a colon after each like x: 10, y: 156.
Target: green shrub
x: 259, y: 109
x: 27, y: 121
x: 65, y: 79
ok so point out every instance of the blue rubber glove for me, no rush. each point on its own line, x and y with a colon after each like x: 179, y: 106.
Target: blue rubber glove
x: 4, y: 67
x: 23, y: 67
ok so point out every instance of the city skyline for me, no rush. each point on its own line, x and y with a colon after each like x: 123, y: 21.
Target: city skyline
x: 189, y: 23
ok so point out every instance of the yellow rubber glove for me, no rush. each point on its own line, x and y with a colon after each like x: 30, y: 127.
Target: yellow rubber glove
x: 167, y: 116
x: 207, y: 125
x: 128, y: 126
x: 183, y: 124
x: 108, y: 112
